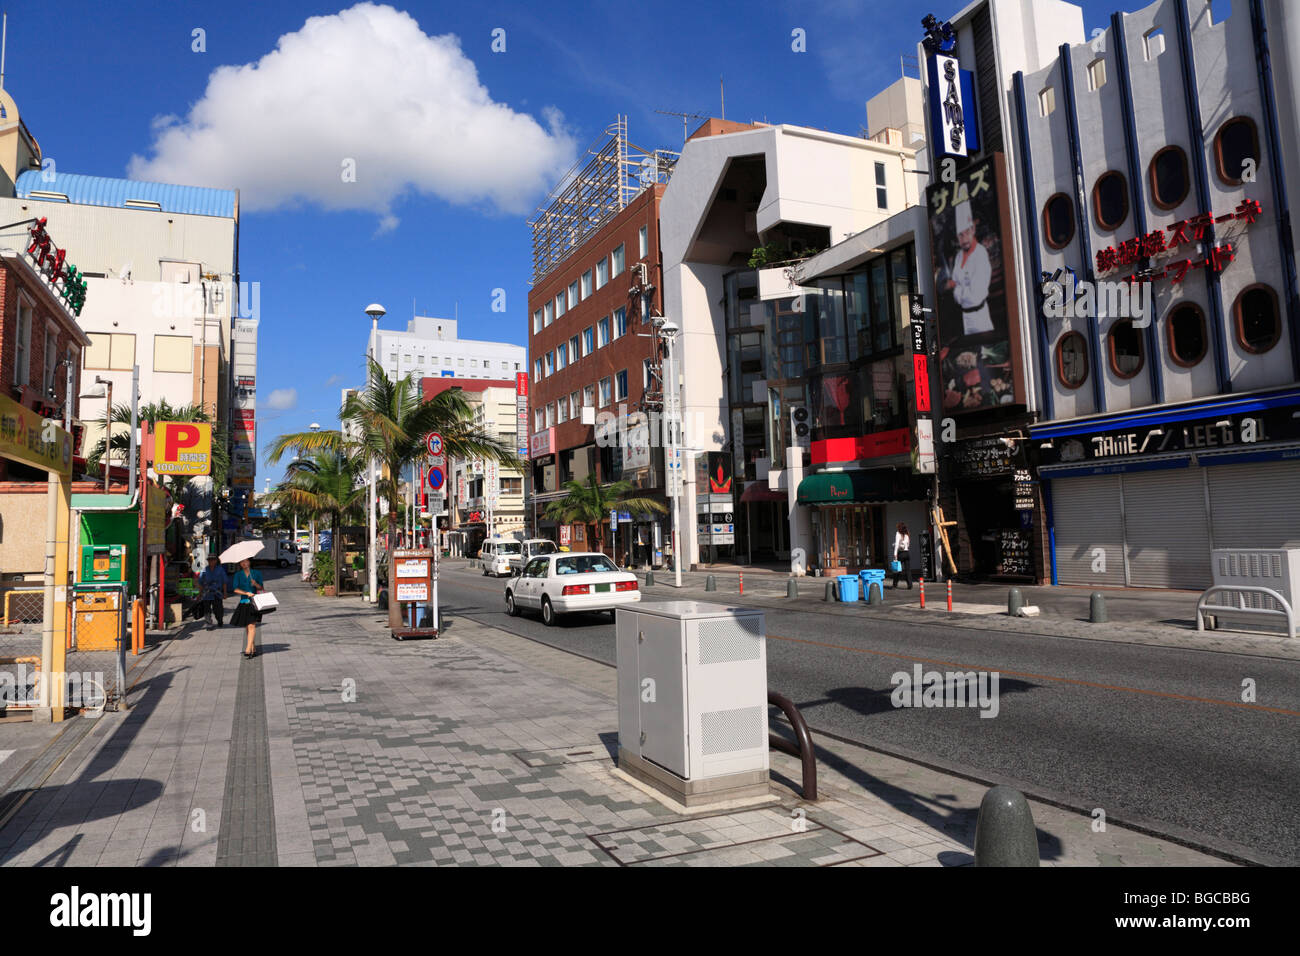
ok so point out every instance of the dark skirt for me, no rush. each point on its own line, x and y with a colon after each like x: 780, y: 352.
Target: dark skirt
x: 245, y: 614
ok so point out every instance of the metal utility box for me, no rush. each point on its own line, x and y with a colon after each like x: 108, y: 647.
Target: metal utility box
x: 97, y: 618
x: 102, y: 564
x: 1253, y: 582
x: 692, y: 699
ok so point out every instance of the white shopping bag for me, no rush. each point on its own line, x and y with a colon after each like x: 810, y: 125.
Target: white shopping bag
x: 265, y: 601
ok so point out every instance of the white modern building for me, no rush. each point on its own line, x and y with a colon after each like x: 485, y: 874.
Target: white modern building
x: 431, y: 347
x: 735, y: 188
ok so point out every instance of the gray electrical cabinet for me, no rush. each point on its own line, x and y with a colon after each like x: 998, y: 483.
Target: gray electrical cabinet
x: 692, y: 698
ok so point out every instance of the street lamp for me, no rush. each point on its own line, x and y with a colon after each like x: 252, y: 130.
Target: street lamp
x: 669, y: 330
x: 104, y: 389
x: 376, y: 312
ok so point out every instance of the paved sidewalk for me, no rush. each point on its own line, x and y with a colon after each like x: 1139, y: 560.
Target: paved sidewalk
x: 478, y: 748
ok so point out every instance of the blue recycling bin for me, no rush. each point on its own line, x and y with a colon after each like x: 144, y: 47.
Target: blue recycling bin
x: 848, y: 587
x: 869, y: 577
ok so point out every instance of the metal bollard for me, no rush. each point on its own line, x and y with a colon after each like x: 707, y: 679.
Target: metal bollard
x: 1004, y: 831
x: 1015, y: 601
x: 830, y: 591
x: 950, y: 594
x: 1097, y: 608
x: 710, y: 584
x: 649, y: 579
x: 791, y: 588
x: 875, y: 593
x: 742, y: 584
x: 922, y: 581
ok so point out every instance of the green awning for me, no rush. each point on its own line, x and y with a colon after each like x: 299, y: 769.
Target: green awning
x: 99, y: 502
x: 846, y: 487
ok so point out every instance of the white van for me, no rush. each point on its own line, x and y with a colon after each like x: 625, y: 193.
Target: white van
x: 531, y: 549
x: 497, y: 554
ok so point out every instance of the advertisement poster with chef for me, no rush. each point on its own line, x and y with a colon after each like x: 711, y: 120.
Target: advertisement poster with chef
x: 976, y: 355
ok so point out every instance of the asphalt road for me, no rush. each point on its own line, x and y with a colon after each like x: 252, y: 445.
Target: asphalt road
x: 1155, y: 737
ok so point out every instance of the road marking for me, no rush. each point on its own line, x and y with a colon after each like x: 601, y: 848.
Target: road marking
x: 1046, y: 677
x: 6, y: 754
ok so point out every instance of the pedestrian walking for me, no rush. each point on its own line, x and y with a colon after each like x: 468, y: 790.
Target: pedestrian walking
x: 215, y: 584
x: 247, y: 583
x: 902, y: 555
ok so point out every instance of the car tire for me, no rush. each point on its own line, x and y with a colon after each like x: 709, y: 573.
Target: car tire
x: 283, y: 563
x: 548, y: 612
x: 511, y: 607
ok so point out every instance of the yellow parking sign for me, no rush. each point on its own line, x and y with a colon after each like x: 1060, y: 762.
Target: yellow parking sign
x: 183, y: 448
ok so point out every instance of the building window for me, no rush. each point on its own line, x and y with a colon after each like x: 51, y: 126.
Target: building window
x: 1126, y: 358
x: 1153, y: 41
x: 882, y: 194
x: 1096, y: 74
x: 108, y: 351
x: 549, y: 365
x: 460, y: 362
x: 1259, y: 324
x: 642, y: 242
x: 1072, y: 360
x: 588, y: 341
x: 1187, y: 338
x: 420, y: 359
x: 573, y: 293
x: 647, y: 375
x: 1236, y: 148
x: 574, y: 349
x: 512, y: 486
x: 559, y: 305
x: 1110, y: 200
x: 1046, y: 101
x: 1058, y: 221
x: 586, y: 283
x: 573, y: 405
x: 602, y: 333
x: 539, y: 419
x: 561, y: 412
x: 589, y: 396
x: 620, y: 386
x: 602, y: 273
x: 550, y: 414
x: 537, y: 321
x: 51, y: 363
x: 447, y: 361
x: 537, y: 370
x: 173, y: 353
x: 605, y: 392
x: 473, y: 363
x: 620, y: 322
x: 548, y: 314
x: 617, y: 262
x: 561, y: 356
x: 1170, y: 180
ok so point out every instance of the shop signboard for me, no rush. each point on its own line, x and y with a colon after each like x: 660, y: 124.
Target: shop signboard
x: 27, y: 437
x: 971, y: 245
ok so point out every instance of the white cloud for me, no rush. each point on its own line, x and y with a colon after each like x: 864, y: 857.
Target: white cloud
x: 282, y: 399
x: 366, y: 87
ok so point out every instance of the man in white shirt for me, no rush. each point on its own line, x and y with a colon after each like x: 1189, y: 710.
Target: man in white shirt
x: 970, y: 275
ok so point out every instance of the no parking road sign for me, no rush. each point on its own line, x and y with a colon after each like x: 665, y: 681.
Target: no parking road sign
x: 436, y: 479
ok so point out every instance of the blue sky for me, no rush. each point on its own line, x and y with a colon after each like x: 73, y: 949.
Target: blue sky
x: 91, y: 83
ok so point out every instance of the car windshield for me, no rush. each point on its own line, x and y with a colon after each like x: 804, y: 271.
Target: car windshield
x: 506, y: 547
x: 584, y: 564
x: 544, y: 547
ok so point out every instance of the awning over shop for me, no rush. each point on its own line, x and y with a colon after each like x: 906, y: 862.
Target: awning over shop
x: 759, y: 491
x: 846, y: 487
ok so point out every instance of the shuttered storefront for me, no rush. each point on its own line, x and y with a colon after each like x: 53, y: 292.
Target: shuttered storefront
x: 1086, y: 515
x: 1255, y: 505
x: 1156, y: 529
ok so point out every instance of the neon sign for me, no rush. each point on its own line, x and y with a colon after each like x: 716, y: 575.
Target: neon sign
x: 51, y: 261
x: 1183, y: 232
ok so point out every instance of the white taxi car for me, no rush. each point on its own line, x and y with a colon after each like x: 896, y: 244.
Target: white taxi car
x: 558, y: 584
x: 499, y: 557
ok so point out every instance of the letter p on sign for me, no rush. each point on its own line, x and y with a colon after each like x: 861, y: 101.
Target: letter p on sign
x: 183, y: 448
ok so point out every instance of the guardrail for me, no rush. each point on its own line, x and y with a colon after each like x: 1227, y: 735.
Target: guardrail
x: 30, y: 611
x: 1202, y: 608
x: 804, y: 746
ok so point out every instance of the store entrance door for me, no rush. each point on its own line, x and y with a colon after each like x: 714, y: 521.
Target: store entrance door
x: 852, y: 538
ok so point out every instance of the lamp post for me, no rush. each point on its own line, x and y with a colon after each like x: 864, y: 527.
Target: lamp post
x: 669, y: 330
x: 315, y: 427
x: 104, y: 389
x: 376, y: 312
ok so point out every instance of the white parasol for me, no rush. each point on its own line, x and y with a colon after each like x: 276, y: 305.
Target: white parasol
x: 240, y: 550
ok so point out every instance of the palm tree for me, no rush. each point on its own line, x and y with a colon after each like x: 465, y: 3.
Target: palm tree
x: 324, y: 486
x: 589, y: 503
x: 153, y: 413
x: 390, y: 421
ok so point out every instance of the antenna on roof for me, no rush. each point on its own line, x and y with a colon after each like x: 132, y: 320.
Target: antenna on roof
x: 722, y: 93
x: 4, y: 37
x: 684, y: 116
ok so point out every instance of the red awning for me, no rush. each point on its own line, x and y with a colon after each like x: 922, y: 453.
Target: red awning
x: 759, y: 491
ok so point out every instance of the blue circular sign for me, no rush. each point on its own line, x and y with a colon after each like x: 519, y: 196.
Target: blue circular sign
x: 435, y: 478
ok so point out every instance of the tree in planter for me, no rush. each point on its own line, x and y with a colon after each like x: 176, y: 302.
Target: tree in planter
x: 325, y: 486
x: 589, y: 502
x: 390, y: 421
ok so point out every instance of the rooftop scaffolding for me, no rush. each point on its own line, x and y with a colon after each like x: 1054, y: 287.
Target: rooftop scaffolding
x: 610, y: 173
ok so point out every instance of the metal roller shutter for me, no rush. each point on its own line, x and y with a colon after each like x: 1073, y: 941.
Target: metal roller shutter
x: 1166, y: 532
x: 1086, y: 516
x: 1255, y: 505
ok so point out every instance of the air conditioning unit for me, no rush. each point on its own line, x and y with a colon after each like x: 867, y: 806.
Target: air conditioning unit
x: 692, y: 699
x: 801, y: 427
